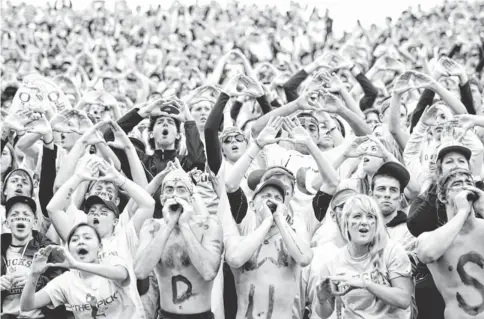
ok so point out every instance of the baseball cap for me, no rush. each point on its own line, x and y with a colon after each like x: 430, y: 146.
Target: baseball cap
x: 342, y: 197
x: 170, y: 109
x: 396, y: 170
x: 256, y: 176
x: 271, y: 182
x: 461, y: 149
x: 20, y: 199
x: 93, y: 200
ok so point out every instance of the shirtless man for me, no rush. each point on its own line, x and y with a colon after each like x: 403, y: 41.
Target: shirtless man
x: 454, y: 252
x: 267, y: 259
x: 184, y: 249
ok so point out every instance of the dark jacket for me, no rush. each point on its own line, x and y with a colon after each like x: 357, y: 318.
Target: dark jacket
x: 37, y: 242
x: 157, y: 162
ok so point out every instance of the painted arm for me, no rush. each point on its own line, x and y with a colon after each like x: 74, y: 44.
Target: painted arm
x: 206, y: 254
x: 239, y: 249
x: 296, y: 240
x: 432, y: 245
x: 153, y: 238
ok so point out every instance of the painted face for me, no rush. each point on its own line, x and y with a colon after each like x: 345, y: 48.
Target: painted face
x: 17, y: 184
x: 164, y: 131
x: 386, y: 192
x: 372, y: 119
x: 455, y: 186
x: 233, y: 146
x: 21, y: 220
x: 84, y: 244
x: 361, y: 227
x: 371, y: 163
x: 6, y: 161
x: 200, y: 113
x: 175, y: 188
x: 104, y: 189
x: 102, y: 219
x: 453, y: 160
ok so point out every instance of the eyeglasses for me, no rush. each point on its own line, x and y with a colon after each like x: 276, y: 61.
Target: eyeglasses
x: 238, y: 138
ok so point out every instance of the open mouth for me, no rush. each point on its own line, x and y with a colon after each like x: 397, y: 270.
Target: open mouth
x: 165, y: 132
x: 203, y: 119
x: 21, y: 226
x: 95, y: 221
x: 366, y: 160
x: 19, y: 191
x: 235, y: 148
x: 62, y: 136
x: 364, y: 230
x: 272, y: 207
x: 82, y: 252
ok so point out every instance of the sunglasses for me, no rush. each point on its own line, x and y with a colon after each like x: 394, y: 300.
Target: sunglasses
x: 238, y: 138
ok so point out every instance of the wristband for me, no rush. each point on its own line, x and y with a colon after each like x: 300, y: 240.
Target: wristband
x: 124, y: 182
x: 47, y: 143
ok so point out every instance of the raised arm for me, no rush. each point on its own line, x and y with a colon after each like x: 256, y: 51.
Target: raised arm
x: 206, y: 253
x: 295, y: 237
x: 239, y: 249
x: 153, y: 237
x: 63, y: 197
x: 432, y: 245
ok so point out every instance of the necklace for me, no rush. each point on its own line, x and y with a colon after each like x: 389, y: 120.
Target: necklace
x: 360, y: 258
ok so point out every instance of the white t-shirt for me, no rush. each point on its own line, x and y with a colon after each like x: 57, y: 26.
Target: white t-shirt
x: 94, y: 297
x: 17, y: 263
x: 123, y: 244
x: 360, y: 303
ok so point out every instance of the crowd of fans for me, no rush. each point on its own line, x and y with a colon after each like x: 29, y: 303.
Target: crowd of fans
x: 203, y: 161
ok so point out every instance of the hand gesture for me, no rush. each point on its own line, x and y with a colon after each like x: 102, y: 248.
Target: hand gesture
x: 89, y: 170
x: 376, y: 149
x: 331, y: 103
x: 281, y: 209
x: 310, y: 100
x: 109, y: 172
x: 93, y: 136
x: 187, y: 211
x: 67, y: 260
x: 465, y: 121
x: 18, y: 121
x: 450, y: 67
x: 185, y: 114
x: 268, y: 134
x: 121, y: 140
x: 153, y: 108
x: 356, y: 149
x: 39, y: 262
x: 171, y: 211
x: 428, y: 116
x: 478, y: 204
x: 39, y: 126
x: 341, y: 285
x: 5, y: 283
x: 403, y: 83
x: 230, y: 87
x: 297, y: 133
x: 336, y: 61
x: 252, y: 87
x: 266, y: 212
x: 422, y: 80
x: 462, y: 202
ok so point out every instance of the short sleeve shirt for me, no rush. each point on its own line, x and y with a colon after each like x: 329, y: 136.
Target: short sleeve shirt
x: 360, y: 303
x: 93, y: 297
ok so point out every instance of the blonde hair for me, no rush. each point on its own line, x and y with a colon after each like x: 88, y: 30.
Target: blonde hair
x: 365, y: 204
